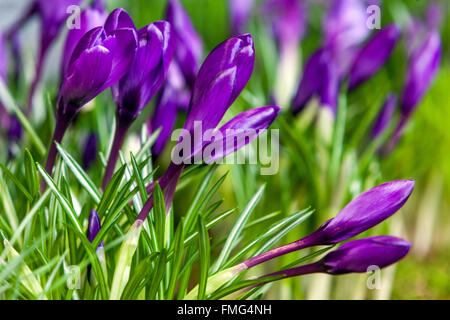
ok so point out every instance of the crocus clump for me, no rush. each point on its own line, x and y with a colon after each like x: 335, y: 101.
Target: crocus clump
x: 144, y: 78
x: 98, y: 61
x: 220, y: 80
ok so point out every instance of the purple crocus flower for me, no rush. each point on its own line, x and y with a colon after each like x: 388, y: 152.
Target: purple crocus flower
x: 91, y: 17
x: 188, y: 44
x: 94, y: 226
x: 240, y: 11
x: 98, y: 61
x: 354, y: 257
x: 3, y: 58
x: 90, y: 150
x: 424, y: 64
x: 344, y: 29
x: 220, y: 80
x: 362, y: 213
x: 144, y: 78
x: 373, y: 55
x: 320, y: 77
x: 385, y: 117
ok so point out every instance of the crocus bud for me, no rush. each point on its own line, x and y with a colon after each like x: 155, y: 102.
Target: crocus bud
x: 354, y: 257
x: 240, y: 11
x: 385, y: 117
x: 94, y: 226
x: 362, y: 213
x: 147, y: 72
x: 345, y: 28
x: 97, y: 62
x: 188, y: 44
x: 434, y: 15
x: 373, y: 55
x: 90, y: 151
x: 423, y: 66
x: 91, y: 17
x: 320, y: 77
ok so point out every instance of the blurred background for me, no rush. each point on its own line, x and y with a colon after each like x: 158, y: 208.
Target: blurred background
x: 423, y: 153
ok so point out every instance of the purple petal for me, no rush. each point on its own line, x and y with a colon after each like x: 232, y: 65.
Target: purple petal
x: 188, y: 45
x: 365, y: 211
x: 118, y: 19
x: 89, y: 19
x: 423, y: 66
x: 329, y: 90
x: 3, y: 58
x: 385, y: 117
x: 236, y: 52
x: 373, y: 55
x: 85, y: 78
x: 90, y: 39
x: 90, y: 150
x: 241, y: 130
x: 359, y: 255
x: 94, y: 226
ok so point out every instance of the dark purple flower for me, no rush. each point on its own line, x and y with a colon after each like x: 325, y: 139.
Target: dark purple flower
x: 94, y: 226
x: 240, y: 11
x: 362, y: 213
x: 90, y: 150
x: 354, y: 256
x: 144, y: 78
x: 423, y: 66
x: 373, y: 55
x: 220, y: 80
x: 188, y: 44
x: 320, y: 77
x: 385, y: 117
x: 98, y: 61
x: 91, y: 17
x: 3, y: 58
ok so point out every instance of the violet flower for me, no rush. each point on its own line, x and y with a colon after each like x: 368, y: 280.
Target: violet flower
x: 362, y: 213
x: 344, y: 30
x: 98, y: 61
x: 145, y: 76
x: 320, y: 77
x: 384, y: 118
x: 188, y: 44
x: 94, y: 227
x: 221, y: 78
x: 3, y: 58
x: 423, y: 66
x: 90, y: 150
x: 240, y: 11
x: 373, y: 55
x: 91, y: 17
x: 354, y: 257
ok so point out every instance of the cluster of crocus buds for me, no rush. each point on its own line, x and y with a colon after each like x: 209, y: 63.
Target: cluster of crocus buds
x: 145, y: 76
x: 362, y: 213
x: 220, y: 80
x: 342, y: 56
x: 175, y: 93
x: 100, y: 59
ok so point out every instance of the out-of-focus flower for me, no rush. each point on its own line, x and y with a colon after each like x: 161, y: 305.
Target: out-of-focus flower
x: 385, y: 117
x: 320, y: 77
x: 240, y: 11
x: 220, y: 80
x: 373, y: 55
x: 435, y: 14
x: 188, y: 44
x: 98, y: 61
x: 288, y: 21
x: 90, y: 150
x: 3, y: 58
x: 91, y: 17
x: 144, y: 78
x: 362, y: 213
x: 354, y: 257
x: 344, y: 29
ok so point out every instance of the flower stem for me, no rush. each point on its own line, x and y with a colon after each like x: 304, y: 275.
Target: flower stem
x: 119, y: 136
x: 60, y: 129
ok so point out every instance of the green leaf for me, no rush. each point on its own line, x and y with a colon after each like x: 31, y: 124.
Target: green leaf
x: 204, y: 248
x: 237, y: 229
x: 159, y: 212
x: 158, y: 275
x: 178, y: 251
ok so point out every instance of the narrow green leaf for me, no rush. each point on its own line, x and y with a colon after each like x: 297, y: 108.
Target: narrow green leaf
x: 204, y: 249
